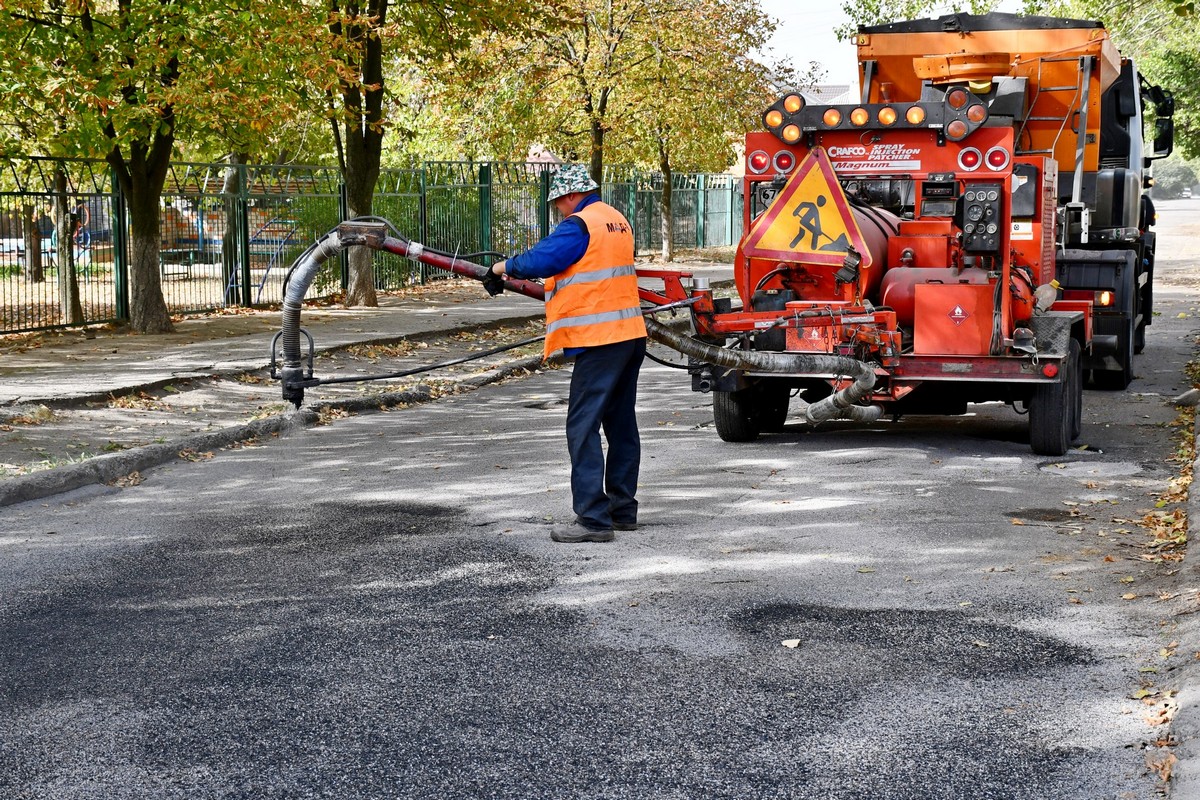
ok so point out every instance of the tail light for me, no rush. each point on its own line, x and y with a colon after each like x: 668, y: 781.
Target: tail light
x: 758, y: 162
x: 784, y: 161
x: 997, y: 158
x: 1102, y: 298
x: 969, y: 159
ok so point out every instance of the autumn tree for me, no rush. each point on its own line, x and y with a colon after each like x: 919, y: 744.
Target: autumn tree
x: 127, y: 76
x: 566, y: 84
x: 702, y: 90
x: 363, y: 36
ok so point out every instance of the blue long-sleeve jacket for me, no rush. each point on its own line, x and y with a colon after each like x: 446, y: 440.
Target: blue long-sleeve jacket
x: 565, y: 245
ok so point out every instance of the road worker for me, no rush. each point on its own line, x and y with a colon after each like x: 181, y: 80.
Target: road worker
x: 594, y: 316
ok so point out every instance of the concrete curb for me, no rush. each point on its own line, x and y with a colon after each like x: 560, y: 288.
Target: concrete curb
x: 1185, y: 778
x: 239, y: 368
x: 111, y: 467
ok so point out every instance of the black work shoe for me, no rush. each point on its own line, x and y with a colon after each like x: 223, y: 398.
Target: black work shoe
x: 624, y: 526
x: 574, y: 534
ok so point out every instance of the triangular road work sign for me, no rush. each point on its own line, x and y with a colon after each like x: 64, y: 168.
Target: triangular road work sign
x: 809, y: 221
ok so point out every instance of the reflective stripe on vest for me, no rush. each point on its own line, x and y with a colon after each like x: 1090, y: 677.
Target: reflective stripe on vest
x: 595, y: 301
x: 592, y: 319
x: 594, y: 275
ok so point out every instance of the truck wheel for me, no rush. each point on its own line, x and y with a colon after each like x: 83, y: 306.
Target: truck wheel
x: 773, y: 404
x: 1118, y: 379
x: 735, y: 416
x: 1052, y: 414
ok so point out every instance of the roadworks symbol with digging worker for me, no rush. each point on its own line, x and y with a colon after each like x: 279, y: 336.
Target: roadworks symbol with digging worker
x: 809, y: 220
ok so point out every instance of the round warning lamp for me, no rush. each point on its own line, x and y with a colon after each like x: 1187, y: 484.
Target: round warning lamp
x: 886, y: 116
x: 832, y: 117
x: 793, y: 103
x: 859, y: 117
x: 915, y: 115
x: 791, y: 134
x: 956, y: 130
x: 977, y: 113
x: 773, y: 118
x: 957, y: 97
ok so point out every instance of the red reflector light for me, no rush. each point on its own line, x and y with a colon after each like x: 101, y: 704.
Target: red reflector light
x: 784, y: 161
x: 758, y: 162
x: 1049, y: 370
x: 997, y: 158
x: 970, y: 158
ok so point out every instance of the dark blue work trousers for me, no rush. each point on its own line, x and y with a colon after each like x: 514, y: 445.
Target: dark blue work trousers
x: 603, y: 395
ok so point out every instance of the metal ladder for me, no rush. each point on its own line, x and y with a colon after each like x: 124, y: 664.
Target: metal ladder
x: 1078, y: 105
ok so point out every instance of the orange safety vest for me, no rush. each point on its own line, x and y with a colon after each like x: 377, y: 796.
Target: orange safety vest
x: 595, y: 301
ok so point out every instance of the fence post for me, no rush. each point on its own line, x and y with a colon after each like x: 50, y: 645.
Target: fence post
x: 734, y: 210
x: 701, y: 191
x: 544, y: 204
x: 633, y: 184
x: 485, y: 207
x: 243, y: 215
x: 423, y: 216
x: 343, y: 253
x: 119, y: 225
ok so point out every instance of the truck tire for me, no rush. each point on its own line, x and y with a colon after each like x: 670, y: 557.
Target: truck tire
x: 773, y: 403
x: 1052, y: 409
x: 735, y: 416
x: 1118, y: 379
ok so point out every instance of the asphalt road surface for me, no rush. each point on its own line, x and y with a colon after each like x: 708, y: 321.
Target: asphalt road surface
x: 915, y: 609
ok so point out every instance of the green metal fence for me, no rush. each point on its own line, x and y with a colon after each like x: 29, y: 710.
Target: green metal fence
x: 230, y: 232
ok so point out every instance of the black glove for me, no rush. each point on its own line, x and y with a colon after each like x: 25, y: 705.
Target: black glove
x: 493, y: 283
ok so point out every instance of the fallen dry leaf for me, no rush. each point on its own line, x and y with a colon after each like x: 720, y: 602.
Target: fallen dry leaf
x: 132, y: 479
x: 1161, y: 765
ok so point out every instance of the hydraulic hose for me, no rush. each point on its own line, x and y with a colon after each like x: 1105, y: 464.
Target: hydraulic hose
x: 292, y: 375
x: 842, y: 404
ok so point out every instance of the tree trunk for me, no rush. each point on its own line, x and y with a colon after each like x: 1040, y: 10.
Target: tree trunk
x: 33, y: 243
x: 147, y: 308
x: 361, y: 177
x: 664, y: 164
x: 70, y: 307
x: 362, y: 106
x: 596, y: 168
x: 231, y: 190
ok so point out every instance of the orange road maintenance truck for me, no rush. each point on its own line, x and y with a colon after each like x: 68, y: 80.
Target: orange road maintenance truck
x: 975, y: 229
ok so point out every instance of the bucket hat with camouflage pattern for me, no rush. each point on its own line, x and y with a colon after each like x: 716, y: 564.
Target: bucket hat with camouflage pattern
x: 570, y: 178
